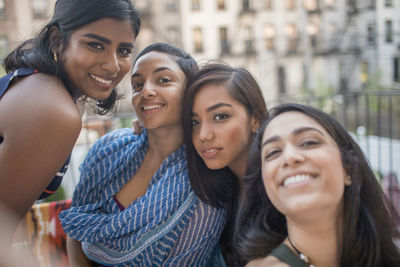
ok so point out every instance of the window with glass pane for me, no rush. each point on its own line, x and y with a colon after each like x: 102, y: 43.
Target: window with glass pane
x: 388, y: 31
x: 268, y: 4
x: 3, y: 47
x: 310, y: 5
x: 396, y: 69
x: 171, y: 6
x: 221, y: 4
x: 246, y: 5
x: 2, y: 9
x: 330, y: 3
x: 198, y: 39
x: 290, y: 4
x: 249, y: 40
x: 269, y: 35
x: 370, y: 34
x: 39, y: 8
x: 291, y: 34
x: 223, y: 37
x: 195, y: 5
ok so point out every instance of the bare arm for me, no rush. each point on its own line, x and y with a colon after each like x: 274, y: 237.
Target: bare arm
x: 76, y: 256
x: 39, y: 124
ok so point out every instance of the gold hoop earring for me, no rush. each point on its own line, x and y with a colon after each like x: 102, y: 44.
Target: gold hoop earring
x: 55, y: 56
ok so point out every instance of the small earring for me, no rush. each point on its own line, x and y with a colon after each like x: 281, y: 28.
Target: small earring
x: 55, y: 56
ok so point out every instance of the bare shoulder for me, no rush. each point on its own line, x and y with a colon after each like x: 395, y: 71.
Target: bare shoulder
x: 268, y: 261
x: 40, y: 99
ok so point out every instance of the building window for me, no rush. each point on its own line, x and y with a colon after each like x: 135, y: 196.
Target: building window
x: 269, y: 35
x: 195, y: 5
x: 198, y: 39
x: 2, y: 9
x: 170, y: 6
x: 221, y: 4
x: 291, y: 35
x: 388, y: 3
x: 281, y: 80
x: 396, y: 69
x: 290, y: 4
x: 223, y: 39
x: 330, y: 4
x: 249, y: 41
x: 388, y: 31
x: 268, y: 4
x: 173, y: 34
x: 311, y: 5
x: 370, y: 34
x: 246, y: 5
x: 3, y: 47
x: 364, y: 72
x: 312, y: 30
x: 39, y: 9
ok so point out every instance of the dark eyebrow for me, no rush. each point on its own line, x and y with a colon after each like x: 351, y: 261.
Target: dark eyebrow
x: 155, y: 71
x: 295, y: 132
x: 305, y: 129
x: 106, y: 40
x: 214, y: 107
x: 98, y: 37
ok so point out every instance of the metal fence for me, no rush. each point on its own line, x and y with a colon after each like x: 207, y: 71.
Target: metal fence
x: 373, y: 118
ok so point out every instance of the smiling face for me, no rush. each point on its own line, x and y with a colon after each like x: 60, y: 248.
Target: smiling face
x: 222, y: 129
x: 98, y: 55
x: 158, y: 83
x: 302, y: 168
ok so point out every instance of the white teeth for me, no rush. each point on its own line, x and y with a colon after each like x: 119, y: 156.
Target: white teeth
x: 211, y: 150
x: 151, y: 107
x: 101, y: 80
x: 296, y: 179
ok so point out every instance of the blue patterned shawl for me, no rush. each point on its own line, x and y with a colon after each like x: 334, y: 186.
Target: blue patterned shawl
x: 147, y: 231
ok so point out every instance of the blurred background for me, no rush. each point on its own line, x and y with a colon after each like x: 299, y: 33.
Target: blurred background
x: 342, y: 56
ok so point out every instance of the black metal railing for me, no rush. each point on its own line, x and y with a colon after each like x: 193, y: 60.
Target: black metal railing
x: 373, y: 117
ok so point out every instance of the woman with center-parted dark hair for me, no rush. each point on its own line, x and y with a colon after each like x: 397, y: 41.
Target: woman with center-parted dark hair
x: 311, y: 199
x: 134, y: 205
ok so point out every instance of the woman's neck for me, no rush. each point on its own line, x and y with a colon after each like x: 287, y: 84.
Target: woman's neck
x: 318, y: 241
x: 164, y: 141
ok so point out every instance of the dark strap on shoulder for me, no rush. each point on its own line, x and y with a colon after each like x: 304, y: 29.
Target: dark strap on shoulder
x: 56, y: 182
x: 286, y: 255
x: 6, y: 80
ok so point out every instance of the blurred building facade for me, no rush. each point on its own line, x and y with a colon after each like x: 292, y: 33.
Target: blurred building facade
x: 295, y: 46
x: 291, y: 46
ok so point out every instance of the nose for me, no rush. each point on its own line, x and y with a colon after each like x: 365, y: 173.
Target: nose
x: 148, y: 90
x: 206, y: 133
x: 111, y: 63
x: 292, y: 156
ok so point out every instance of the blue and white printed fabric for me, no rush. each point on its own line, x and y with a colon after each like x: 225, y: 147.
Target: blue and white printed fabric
x: 168, y: 226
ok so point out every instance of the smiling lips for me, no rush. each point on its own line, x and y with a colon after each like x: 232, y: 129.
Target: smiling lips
x: 151, y: 108
x: 210, y: 152
x: 101, y: 80
x: 296, y: 179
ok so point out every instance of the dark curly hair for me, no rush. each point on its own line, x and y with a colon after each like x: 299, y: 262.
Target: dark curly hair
x: 68, y: 16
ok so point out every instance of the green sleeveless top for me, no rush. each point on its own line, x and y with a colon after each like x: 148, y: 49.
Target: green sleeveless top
x: 286, y: 255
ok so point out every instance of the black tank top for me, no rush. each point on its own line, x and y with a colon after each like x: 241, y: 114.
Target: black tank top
x: 4, y: 85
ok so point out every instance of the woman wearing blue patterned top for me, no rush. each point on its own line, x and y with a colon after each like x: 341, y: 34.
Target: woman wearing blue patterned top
x: 134, y: 205
x: 83, y: 52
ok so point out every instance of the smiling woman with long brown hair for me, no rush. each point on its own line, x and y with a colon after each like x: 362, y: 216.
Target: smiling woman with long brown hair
x: 311, y: 199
